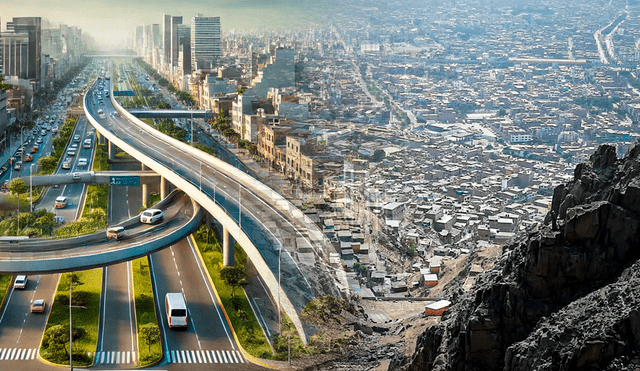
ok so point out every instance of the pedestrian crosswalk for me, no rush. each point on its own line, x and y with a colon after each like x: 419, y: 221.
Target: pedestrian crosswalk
x: 18, y: 354
x: 204, y: 356
x: 114, y: 358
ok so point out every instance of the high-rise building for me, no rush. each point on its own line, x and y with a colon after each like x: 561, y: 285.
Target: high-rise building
x: 205, y: 42
x: 15, y: 52
x: 175, y: 42
x: 156, y: 36
x: 184, y: 49
x: 32, y: 27
x: 139, y: 38
x: 166, y: 37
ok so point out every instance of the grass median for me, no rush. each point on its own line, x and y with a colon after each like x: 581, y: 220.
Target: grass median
x: 86, y: 299
x: 5, y: 281
x: 244, y: 322
x: 145, y: 310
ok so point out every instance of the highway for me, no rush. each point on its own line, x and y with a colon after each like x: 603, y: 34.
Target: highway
x: 117, y: 337
x: 268, y: 223
x: 182, y: 217
x: 74, y: 192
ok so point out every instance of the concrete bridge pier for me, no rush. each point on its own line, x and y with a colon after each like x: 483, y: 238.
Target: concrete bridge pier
x: 112, y: 151
x: 228, y: 249
x: 145, y: 195
x: 164, y: 187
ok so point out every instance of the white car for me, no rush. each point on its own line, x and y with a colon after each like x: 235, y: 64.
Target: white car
x: 151, y: 216
x: 20, y: 282
x: 82, y: 162
x: 75, y: 176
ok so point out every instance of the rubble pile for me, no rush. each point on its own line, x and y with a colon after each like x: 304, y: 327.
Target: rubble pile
x: 561, y: 298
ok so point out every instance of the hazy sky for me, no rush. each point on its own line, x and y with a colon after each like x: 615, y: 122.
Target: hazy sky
x: 113, y: 21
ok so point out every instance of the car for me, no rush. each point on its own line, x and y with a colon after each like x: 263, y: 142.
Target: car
x: 20, y: 282
x: 86, y: 143
x: 38, y: 305
x: 35, y: 149
x: 66, y: 164
x: 18, y: 154
x: 76, y: 138
x: 40, y: 141
x: 151, y: 216
x: 5, y: 185
x: 61, y: 202
x: 82, y: 162
x: 28, y: 158
x: 75, y: 176
x: 17, y: 166
x: 115, y: 233
x: 71, y: 152
x: 43, y: 133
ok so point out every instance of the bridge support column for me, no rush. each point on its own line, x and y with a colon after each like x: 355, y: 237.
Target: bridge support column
x: 164, y: 187
x: 112, y: 151
x: 145, y: 167
x: 145, y: 195
x: 228, y: 258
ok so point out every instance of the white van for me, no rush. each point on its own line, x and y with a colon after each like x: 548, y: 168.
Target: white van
x: 176, y: 309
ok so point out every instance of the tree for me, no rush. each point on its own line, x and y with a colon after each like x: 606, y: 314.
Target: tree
x: 48, y: 164
x: 235, y: 277
x: 150, y: 333
x: 56, y: 337
x: 17, y: 186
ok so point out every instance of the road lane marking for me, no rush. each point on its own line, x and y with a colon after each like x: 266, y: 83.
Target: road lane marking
x: 204, y: 356
x: 208, y: 285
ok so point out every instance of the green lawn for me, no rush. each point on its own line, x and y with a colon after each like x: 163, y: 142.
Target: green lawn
x: 87, y: 295
x: 5, y: 280
x: 243, y: 321
x: 145, y: 310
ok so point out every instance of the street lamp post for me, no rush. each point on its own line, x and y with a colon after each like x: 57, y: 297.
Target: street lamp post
x: 279, y: 288
x: 31, y: 187
x: 191, y: 111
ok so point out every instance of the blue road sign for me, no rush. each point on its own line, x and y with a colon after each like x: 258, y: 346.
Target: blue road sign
x: 131, y: 181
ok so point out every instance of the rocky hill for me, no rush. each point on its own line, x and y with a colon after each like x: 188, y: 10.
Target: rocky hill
x: 565, y: 297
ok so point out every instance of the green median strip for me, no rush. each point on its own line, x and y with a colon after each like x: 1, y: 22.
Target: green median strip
x: 244, y: 322
x: 149, y: 346
x: 5, y: 281
x: 86, y: 314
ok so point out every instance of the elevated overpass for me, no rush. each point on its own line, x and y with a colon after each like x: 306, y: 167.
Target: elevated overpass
x: 41, y: 255
x: 95, y: 177
x: 169, y: 114
x: 290, y: 253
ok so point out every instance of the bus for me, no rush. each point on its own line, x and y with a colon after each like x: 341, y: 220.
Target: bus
x: 176, y: 309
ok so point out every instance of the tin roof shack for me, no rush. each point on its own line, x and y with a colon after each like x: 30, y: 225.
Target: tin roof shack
x: 436, y: 308
x: 506, y: 225
x: 430, y: 279
x: 434, y: 267
x: 393, y: 210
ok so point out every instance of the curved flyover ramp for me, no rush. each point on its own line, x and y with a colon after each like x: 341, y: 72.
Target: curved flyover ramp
x: 289, y: 251
x: 182, y: 216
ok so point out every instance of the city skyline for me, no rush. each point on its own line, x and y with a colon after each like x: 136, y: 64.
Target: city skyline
x: 111, y: 29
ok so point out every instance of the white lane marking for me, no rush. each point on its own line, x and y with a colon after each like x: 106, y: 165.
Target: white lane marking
x: 130, y: 295
x: 104, y: 305
x: 208, y: 285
